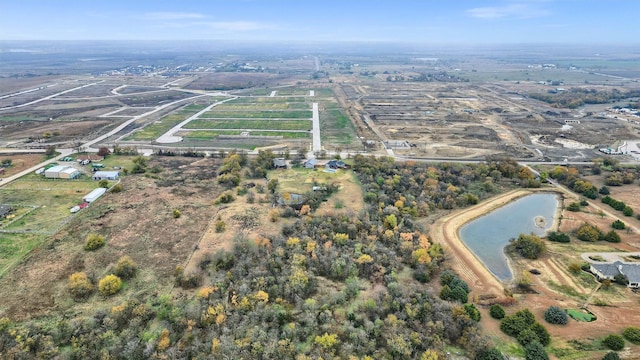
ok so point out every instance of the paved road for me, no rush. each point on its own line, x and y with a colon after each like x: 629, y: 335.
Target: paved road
x: 63, y: 153
x: 609, y: 257
x: 88, y: 145
x: 317, y: 146
x: 168, y: 137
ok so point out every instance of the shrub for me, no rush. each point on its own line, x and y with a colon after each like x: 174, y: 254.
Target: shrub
x: 611, y: 236
x: 574, y: 206
x: 632, y: 334
x: 79, y: 286
x: 103, y: 184
x: 557, y: 236
x: 274, y: 215
x: 176, y: 213
x: 611, y: 355
x: 627, y: 211
x: 125, y: 268
x: 93, y: 242
x: 116, y: 188
x: 220, y: 226
x: 588, y: 232
x: 109, y: 285
x: 614, y: 342
x: 542, y: 333
x: 604, y: 190
x: 555, y: 315
x: 618, y: 225
x: 496, y: 311
x: 473, y: 312
x: 535, y: 351
x: 226, y: 198
x: 489, y: 354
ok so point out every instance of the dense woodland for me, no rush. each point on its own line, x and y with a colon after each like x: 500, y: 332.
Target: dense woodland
x: 346, y: 286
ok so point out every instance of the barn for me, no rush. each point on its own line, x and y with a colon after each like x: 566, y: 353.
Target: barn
x: 62, y: 172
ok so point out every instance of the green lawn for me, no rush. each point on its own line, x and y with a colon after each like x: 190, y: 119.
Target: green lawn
x: 267, y: 100
x: 337, y: 130
x: 250, y: 124
x: 259, y: 114
x: 153, y: 131
x: 211, y: 134
x: 13, y: 247
x: 581, y: 315
x: 263, y: 106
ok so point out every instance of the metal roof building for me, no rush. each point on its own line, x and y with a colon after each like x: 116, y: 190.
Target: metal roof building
x: 94, y: 195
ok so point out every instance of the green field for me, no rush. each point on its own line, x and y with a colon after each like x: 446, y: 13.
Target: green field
x: 267, y: 100
x: 13, y: 247
x: 263, y: 106
x: 581, y: 315
x: 153, y: 131
x: 337, y: 129
x: 259, y: 114
x: 211, y: 134
x: 250, y: 124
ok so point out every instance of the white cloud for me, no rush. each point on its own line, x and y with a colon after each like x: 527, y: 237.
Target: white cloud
x: 519, y: 11
x: 172, y: 16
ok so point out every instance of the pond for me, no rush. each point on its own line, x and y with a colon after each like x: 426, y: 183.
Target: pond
x: 488, y: 235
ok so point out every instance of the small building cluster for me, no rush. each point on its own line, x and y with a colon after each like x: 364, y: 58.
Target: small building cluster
x: 62, y: 172
x: 609, y: 271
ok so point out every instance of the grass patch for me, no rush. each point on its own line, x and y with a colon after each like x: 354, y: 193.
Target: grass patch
x: 266, y: 100
x: 212, y: 134
x: 153, y: 131
x: 13, y: 247
x: 567, y: 290
x: 260, y: 114
x: 337, y: 129
x: 228, y: 106
x: 250, y: 124
x: 581, y: 315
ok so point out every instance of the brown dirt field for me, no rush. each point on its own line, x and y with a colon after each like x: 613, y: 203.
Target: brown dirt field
x: 137, y: 222
x: 20, y: 162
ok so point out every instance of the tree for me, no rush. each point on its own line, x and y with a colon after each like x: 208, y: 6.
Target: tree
x: 51, y: 151
x: 632, y: 334
x: 614, y: 342
x: 588, y: 232
x: 104, y: 151
x: 391, y: 222
x: 611, y: 355
x: 109, y: 285
x: 79, y: 286
x: 93, y: 242
x: 473, y: 312
x: 103, y: 184
x: 125, y: 268
x: 574, y: 206
x: 618, y: 225
x: 612, y: 237
x: 489, y: 354
x: 555, y: 315
x: 535, y: 351
x: 139, y: 165
x: 530, y: 246
x: 627, y: 211
x: 496, y: 311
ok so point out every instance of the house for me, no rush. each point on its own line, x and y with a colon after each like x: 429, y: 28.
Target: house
x: 310, y: 164
x: 608, y: 271
x: 336, y: 164
x: 106, y: 175
x: 279, y: 163
x: 94, y: 195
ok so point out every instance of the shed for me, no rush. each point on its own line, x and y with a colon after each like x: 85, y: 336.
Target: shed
x: 94, y: 195
x: 310, y: 164
x: 106, y: 175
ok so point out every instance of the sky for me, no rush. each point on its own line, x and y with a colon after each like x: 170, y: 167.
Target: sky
x: 410, y: 21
